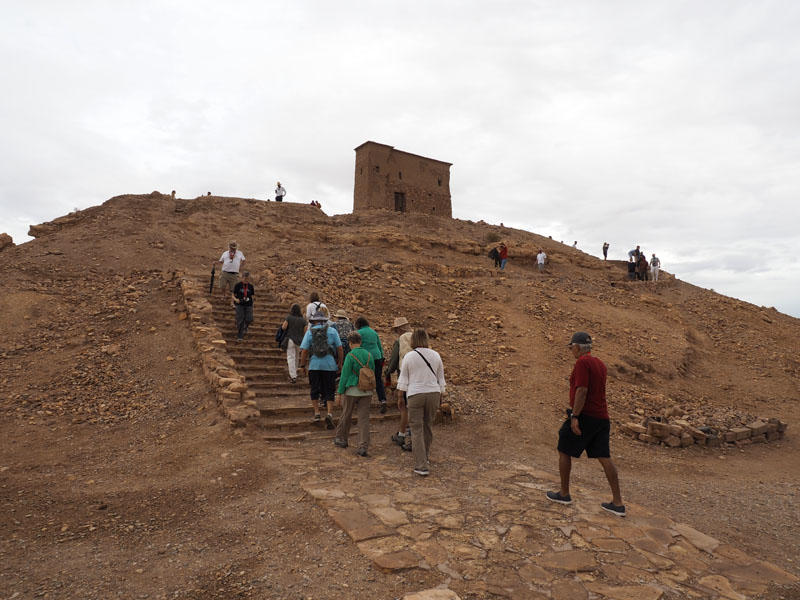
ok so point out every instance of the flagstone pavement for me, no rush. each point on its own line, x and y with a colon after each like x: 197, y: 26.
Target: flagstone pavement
x: 490, y: 532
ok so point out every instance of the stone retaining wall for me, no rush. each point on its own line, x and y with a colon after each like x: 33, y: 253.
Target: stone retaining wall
x: 233, y: 397
x: 679, y: 433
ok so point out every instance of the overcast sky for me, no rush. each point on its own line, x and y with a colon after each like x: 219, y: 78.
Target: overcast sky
x: 674, y: 125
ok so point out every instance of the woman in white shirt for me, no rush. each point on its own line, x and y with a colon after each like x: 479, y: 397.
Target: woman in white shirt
x: 422, y: 378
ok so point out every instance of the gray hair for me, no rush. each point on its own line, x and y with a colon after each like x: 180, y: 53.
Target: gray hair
x: 585, y: 347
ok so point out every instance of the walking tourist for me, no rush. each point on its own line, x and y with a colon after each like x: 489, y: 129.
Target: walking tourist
x: 295, y: 326
x: 343, y: 328
x: 372, y: 344
x: 400, y: 347
x: 422, y: 378
x: 355, y: 398
x: 605, y: 250
x: 242, y: 294
x: 587, y: 426
x: 231, y: 262
x: 541, y: 259
x: 315, y: 305
x: 655, y: 267
x: 503, y: 249
x: 321, y: 350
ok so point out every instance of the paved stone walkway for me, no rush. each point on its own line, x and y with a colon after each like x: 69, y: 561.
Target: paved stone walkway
x: 489, y: 530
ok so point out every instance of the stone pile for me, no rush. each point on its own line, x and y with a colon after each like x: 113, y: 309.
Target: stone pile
x: 233, y: 396
x: 6, y: 241
x: 676, y: 429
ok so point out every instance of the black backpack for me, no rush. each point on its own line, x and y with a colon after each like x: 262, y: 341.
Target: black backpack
x: 493, y: 253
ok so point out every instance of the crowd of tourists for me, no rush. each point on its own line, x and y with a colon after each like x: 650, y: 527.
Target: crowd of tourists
x: 345, y: 366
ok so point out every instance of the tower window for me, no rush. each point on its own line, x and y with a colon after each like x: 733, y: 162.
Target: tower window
x: 439, y: 181
x: 377, y: 168
x: 399, y: 174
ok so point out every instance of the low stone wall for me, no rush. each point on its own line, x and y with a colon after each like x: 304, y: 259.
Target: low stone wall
x: 677, y: 431
x: 233, y: 397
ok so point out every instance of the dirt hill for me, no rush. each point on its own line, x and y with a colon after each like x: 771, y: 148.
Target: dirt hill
x: 99, y: 373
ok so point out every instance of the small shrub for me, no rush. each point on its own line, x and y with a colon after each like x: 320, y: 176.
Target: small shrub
x: 492, y: 237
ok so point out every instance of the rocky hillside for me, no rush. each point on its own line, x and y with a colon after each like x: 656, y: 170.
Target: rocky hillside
x: 91, y: 314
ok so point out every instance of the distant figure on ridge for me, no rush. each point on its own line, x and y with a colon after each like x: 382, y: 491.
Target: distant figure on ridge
x: 655, y: 267
x: 642, y: 267
x: 400, y: 347
x: 280, y: 192
x: 587, y: 427
x: 605, y: 250
x: 631, y: 268
x: 634, y: 254
x: 295, y: 326
x: 503, y: 250
x: 541, y: 259
x: 231, y: 262
x: 321, y: 350
x: 355, y: 398
x: 575, y: 244
x: 173, y: 194
x: 243, y: 293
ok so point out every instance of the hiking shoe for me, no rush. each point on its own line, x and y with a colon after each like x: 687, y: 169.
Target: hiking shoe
x: 423, y: 472
x: 384, y: 408
x: 407, y: 446
x: 361, y: 452
x: 340, y: 443
x: 614, y: 509
x: 329, y: 421
x: 293, y: 379
x: 317, y: 418
x: 398, y: 439
x: 557, y: 497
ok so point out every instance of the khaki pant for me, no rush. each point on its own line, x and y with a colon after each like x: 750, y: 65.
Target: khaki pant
x: 421, y: 410
x: 228, y: 280
x: 361, y: 403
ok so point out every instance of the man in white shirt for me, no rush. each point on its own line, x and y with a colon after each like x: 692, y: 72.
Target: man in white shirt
x: 541, y: 258
x: 315, y: 305
x: 655, y: 266
x: 231, y: 262
x: 280, y: 192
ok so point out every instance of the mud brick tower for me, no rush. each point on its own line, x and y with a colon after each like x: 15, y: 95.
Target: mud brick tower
x: 400, y: 181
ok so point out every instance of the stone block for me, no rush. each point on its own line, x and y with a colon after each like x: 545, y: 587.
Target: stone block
x: 713, y: 441
x: 757, y: 439
x: 695, y: 433
x: 729, y: 436
x: 676, y: 430
x: 773, y: 435
x: 673, y: 441
x: 772, y: 427
x: 782, y: 426
x: 359, y: 524
x: 659, y: 430
x: 650, y: 439
x: 757, y: 428
x: 686, y: 440
x: 742, y: 433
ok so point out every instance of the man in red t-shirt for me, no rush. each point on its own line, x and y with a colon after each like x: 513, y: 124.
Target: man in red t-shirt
x: 587, y: 426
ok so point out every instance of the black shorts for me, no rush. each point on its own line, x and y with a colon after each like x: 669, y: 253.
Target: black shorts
x: 323, y: 385
x: 593, y: 438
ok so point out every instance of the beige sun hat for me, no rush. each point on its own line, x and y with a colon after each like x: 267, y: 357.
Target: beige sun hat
x: 399, y: 322
x: 340, y: 314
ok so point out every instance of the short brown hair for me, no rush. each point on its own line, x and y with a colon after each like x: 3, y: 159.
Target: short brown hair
x: 354, y: 338
x: 419, y: 338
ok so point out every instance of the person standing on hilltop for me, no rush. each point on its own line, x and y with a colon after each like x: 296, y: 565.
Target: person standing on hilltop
x: 372, y: 344
x: 243, y: 293
x: 642, y: 267
x: 655, y: 267
x: 295, y: 326
x: 541, y: 259
x: 587, y: 427
x: 422, y: 378
x: 503, y: 249
x: 231, y: 262
x: 634, y: 254
x: 280, y: 192
x: 315, y: 305
x: 321, y: 350
x: 605, y: 250
x: 400, y: 347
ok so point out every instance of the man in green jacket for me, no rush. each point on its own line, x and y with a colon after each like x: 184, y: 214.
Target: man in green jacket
x: 372, y: 344
x: 354, y: 397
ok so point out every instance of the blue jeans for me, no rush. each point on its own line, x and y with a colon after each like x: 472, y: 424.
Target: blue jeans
x: 503, y: 264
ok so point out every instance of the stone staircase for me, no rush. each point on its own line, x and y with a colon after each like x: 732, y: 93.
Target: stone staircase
x: 285, y: 408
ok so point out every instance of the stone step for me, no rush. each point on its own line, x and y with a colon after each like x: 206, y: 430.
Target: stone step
x: 277, y: 406
x: 305, y: 422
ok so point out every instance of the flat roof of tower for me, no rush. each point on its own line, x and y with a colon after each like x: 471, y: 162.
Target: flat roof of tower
x: 403, y: 152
